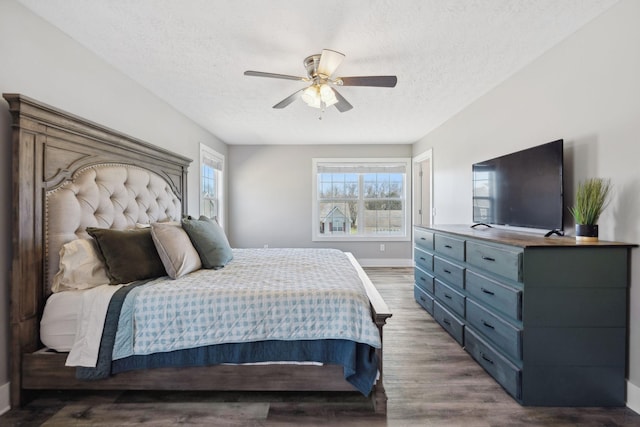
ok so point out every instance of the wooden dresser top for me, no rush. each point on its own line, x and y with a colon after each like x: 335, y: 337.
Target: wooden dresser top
x: 518, y: 238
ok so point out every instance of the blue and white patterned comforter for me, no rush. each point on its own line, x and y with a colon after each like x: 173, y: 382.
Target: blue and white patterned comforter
x: 263, y: 294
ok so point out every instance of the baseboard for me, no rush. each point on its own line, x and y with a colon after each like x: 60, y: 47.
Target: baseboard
x: 4, y: 398
x: 633, y: 397
x: 386, y: 262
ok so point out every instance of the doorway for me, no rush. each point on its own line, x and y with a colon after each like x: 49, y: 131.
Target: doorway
x: 423, y: 188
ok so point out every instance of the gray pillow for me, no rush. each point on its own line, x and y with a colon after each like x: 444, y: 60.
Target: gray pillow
x: 209, y: 240
x: 175, y: 249
x: 129, y: 255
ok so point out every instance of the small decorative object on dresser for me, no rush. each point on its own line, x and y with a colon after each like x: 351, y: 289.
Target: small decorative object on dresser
x: 592, y: 198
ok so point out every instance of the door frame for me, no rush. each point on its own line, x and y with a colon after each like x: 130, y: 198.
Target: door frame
x: 417, y: 186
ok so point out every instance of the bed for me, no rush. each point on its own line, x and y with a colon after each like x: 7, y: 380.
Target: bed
x: 58, y: 158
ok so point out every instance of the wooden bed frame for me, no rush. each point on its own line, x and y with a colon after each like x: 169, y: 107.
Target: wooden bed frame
x: 49, y: 146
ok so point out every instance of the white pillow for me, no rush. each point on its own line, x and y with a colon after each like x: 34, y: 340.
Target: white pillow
x: 178, y: 255
x: 81, y: 267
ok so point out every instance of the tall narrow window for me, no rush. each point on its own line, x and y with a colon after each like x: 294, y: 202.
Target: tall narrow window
x: 483, y: 191
x: 360, y: 199
x: 211, y: 176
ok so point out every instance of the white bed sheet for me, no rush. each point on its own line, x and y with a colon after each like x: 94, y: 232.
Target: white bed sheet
x: 60, y: 319
x: 62, y: 323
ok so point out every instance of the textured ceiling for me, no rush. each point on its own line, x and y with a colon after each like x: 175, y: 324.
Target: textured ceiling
x: 192, y: 54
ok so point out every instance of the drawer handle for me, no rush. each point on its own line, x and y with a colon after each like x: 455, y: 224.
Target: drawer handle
x: 423, y: 279
x: 423, y: 258
x: 422, y: 238
x: 447, y: 296
x: 486, y: 358
x: 488, y: 325
x: 487, y: 291
x: 446, y: 271
x: 488, y: 258
x: 422, y: 299
x: 446, y: 322
x: 448, y: 246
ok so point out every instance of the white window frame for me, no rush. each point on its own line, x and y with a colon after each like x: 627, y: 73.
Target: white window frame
x: 316, y: 236
x: 209, y: 155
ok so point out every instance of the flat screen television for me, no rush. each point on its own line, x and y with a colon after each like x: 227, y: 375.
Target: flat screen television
x: 521, y: 189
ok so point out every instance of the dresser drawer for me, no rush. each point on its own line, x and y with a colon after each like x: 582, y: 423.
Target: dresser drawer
x: 506, y: 373
x: 503, y: 334
x: 449, y: 321
x: 450, y: 272
x: 450, y: 297
x: 423, y: 238
x: 503, y: 262
x: 424, y: 280
x: 423, y: 259
x: 449, y: 246
x: 504, y: 298
x: 423, y: 298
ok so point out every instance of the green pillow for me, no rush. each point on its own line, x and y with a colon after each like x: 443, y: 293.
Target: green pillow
x: 209, y: 240
x: 129, y: 255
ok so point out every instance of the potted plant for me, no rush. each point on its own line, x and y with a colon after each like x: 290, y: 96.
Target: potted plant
x: 592, y: 198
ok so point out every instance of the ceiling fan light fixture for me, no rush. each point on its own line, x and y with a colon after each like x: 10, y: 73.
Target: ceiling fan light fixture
x: 327, y: 95
x: 311, y: 96
x: 318, y: 94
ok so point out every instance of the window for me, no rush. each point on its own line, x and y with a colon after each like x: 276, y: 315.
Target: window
x: 360, y: 199
x: 483, y: 189
x: 211, y: 176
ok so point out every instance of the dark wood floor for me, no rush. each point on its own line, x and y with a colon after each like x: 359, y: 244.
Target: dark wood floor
x: 430, y: 381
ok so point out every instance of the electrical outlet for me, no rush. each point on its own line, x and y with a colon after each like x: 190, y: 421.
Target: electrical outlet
x: 382, y: 247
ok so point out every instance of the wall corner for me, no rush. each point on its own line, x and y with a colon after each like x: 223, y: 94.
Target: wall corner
x: 633, y: 397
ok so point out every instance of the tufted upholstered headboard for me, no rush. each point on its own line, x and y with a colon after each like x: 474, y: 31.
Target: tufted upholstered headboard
x: 106, y: 196
x: 70, y: 173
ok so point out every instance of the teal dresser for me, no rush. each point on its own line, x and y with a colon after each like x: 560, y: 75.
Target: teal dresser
x: 545, y: 317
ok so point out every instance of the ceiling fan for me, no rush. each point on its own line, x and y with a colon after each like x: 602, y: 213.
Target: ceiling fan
x: 322, y: 93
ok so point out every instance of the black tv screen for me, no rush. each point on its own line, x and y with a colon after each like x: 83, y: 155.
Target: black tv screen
x: 521, y: 189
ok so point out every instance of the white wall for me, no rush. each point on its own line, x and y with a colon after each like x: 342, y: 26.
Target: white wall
x: 585, y: 90
x: 39, y: 61
x: 270, y: 198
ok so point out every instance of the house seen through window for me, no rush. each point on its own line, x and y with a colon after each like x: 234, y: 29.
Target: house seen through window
x: 359, y: 199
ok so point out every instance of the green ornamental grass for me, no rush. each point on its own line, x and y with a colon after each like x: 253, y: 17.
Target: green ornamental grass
x: 592, y: 198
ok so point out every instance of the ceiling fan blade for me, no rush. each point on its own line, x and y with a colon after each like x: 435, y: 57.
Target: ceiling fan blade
x: 330, y: 60
x: 375, y: 81
x: 288, y: 100
x: 342, y: 105
x: 275, y: 76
